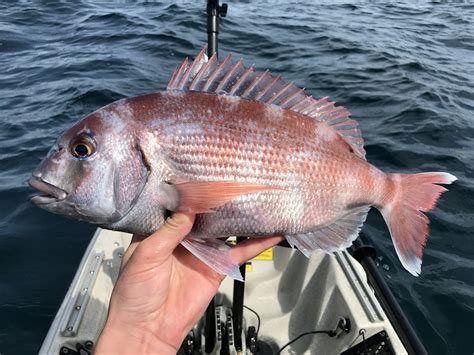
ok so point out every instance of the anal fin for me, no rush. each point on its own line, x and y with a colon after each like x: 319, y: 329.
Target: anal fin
x: 333, y: 237
x: 215, y: 254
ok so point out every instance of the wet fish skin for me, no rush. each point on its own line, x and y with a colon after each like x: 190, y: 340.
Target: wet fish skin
x: 195, y: 147
x: 247, y: 168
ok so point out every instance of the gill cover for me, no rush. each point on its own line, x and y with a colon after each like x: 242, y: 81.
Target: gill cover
x: 99, y: 164
x: 110, y: 180
x: 130, y: 178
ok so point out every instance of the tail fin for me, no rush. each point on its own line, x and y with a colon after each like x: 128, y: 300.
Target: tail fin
x: 408, y: 225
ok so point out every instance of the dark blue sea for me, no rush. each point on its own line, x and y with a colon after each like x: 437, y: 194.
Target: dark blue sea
x: 404, y: 69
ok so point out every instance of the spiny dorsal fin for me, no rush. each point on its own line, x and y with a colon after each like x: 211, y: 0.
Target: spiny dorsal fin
x: 227, y: 78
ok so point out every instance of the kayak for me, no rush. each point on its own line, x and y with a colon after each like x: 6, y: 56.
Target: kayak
x: 285, y: 295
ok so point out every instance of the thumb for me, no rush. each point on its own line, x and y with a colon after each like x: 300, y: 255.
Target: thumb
x: 162, y: 243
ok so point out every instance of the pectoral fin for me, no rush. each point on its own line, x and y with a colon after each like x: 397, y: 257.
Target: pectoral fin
x: 215, y: 254
x: 204, y: 196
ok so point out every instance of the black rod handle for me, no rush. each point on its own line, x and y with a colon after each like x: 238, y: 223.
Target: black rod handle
x: 238, y: 305
x: 210, y: 326
x: 214, y: 11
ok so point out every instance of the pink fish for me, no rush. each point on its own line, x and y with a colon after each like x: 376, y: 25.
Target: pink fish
x: 251, y: 154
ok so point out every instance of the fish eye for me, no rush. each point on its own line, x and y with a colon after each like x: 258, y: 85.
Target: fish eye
x: 83, y: 146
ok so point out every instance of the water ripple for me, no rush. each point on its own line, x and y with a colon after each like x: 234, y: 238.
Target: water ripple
x: 405, y: 71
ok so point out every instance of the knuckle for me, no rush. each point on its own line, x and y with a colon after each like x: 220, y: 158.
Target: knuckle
x: 173, y: 224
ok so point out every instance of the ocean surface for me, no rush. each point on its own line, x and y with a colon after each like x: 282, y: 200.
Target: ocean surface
x: 405, y: 70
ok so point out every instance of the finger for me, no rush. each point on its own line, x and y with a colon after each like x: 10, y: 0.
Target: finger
x: 136, y: 239
x: 167, y: 238
x: 250, y: 248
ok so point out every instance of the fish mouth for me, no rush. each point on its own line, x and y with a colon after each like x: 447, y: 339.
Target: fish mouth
x: 50, y: 193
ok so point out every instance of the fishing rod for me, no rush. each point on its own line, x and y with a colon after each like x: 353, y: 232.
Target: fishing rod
x: 362, y: 253
x: 214, y: 11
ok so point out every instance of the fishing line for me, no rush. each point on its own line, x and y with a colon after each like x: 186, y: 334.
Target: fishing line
x: 362, y: 332
x: 258, y: 318
x: 330, y: 333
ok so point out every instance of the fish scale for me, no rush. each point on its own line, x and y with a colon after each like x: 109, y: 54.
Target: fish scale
x: 194, y: 158
x: 249, y: 153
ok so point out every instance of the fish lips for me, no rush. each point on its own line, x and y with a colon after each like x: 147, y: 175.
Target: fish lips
x: 50, y: 192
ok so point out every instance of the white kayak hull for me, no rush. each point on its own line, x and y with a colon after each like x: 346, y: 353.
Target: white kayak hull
x: 291, y: 293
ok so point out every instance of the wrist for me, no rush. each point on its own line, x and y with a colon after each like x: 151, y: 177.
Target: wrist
x: 122, y: 339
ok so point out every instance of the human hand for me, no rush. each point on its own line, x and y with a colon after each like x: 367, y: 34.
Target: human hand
x: 163, y: 290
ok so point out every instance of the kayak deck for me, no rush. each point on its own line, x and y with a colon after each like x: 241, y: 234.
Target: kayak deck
x: 291, y: 294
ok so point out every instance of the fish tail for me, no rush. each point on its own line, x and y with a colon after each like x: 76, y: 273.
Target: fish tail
x: 406, y: 198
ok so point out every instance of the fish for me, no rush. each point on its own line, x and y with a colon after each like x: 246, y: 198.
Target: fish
x: 249, y: 153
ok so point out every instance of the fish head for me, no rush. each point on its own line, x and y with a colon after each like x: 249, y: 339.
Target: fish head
x: 95, y: 171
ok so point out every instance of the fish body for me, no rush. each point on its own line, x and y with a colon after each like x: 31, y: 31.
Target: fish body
x: 212, y: 138
x: 250, y: 154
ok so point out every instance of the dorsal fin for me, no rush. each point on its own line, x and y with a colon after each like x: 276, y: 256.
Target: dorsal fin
x: 227, y: 78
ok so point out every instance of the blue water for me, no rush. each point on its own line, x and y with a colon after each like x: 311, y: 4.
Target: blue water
x: 405, y: 70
